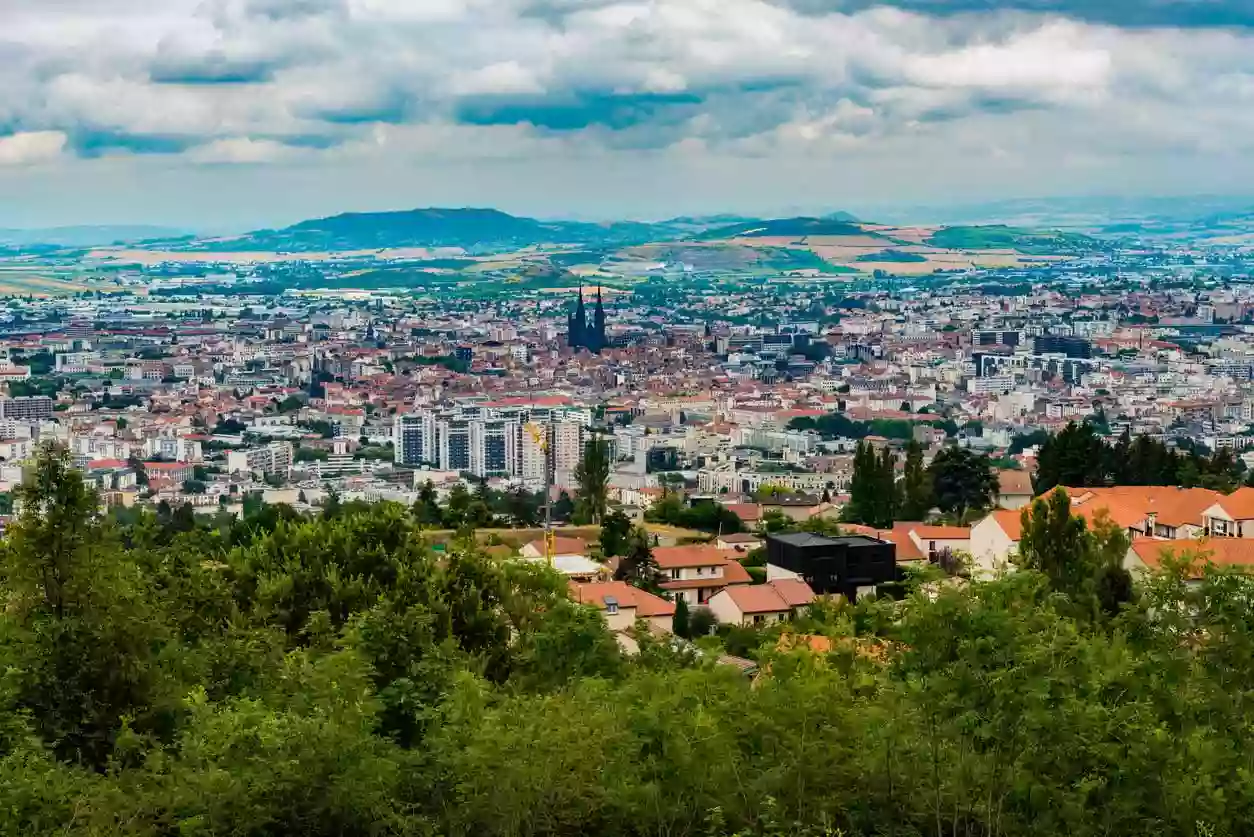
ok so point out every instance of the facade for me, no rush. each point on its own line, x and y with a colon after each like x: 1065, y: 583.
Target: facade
x: 695, y: 573
x: 761, y: 604
x: 495, y: 448
x: 844, y: 566
x: 413, y: 436
x: 27, y: 408
x: 274, y: 458
x: 453, y: 444
x: 584, y: 334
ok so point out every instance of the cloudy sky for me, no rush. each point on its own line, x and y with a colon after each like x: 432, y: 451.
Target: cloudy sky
x: 251, y: 112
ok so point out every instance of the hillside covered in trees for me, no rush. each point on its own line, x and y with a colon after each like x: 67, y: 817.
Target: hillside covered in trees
x: 339, y: 676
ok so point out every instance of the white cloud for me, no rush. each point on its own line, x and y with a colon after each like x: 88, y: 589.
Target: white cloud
x: 400, y: 81
x: 31, y: 147
x: 240, y: 150
x: 501, y: 78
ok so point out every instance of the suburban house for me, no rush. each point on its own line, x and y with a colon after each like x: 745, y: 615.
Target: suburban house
x: 561, y: 547
x: 1147, y: 555
x: 621, y: 605
x: 1231, y: 516
x: 1014, y: 489
x: 697, y: 572
x: 741, y: 542
x: 750, y: 514
x: 919, y: 541
x: 1142, y: 511
x: 762, y: 604
x: 800, y: 508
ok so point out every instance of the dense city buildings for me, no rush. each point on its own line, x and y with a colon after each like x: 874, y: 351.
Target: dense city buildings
x: 702, y: 376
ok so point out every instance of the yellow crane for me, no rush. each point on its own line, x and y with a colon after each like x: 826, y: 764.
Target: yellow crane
x: 541, y: 437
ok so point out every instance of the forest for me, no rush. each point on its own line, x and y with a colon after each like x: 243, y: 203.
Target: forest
x: 339, y: 675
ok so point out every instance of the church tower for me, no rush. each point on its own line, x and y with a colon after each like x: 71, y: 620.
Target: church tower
x: 599, y: 340
x: 577, y: 330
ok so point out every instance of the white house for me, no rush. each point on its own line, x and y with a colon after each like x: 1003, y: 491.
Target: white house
x: 621, y: 605
x: 695, y: 573
x: 761, y: 604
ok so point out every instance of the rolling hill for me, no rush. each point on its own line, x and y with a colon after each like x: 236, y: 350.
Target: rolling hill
x: 480, y: 231
x: 474, y: 230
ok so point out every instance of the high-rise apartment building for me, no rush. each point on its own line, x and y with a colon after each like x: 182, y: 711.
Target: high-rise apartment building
x: 495, y: 448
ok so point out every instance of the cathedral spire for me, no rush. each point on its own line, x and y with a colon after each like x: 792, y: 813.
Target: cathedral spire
x: 577, y: 336
x: 598, y: 340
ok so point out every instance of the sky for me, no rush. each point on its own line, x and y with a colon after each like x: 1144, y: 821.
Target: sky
x: 249, y: 113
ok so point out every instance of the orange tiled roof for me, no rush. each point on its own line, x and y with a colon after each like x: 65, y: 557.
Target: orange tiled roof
x: 646, y: 604
x: 1239, y: 504
x: 1223, y: 552
x: 562, y: 546
x: 942, y: 533
x: 696, y: 555
x: 770, y: 598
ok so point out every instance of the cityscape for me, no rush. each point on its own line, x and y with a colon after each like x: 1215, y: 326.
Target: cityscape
x: 626, y: 418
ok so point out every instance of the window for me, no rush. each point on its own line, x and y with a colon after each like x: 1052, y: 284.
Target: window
x: 674, y: 574
x: 611, y: 605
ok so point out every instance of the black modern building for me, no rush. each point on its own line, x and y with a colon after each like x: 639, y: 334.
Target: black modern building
x: 1054, y: 344
x: 834, y: 565
x: 581, y: 334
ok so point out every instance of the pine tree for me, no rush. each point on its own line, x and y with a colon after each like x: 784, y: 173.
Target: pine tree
x: 638, y: 566
x: 861, y: 485
x: 916, y: 485
x: 593, y: 475
x: 679, y: 622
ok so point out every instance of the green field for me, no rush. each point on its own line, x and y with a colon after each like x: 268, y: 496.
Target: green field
x: 1000, y: 237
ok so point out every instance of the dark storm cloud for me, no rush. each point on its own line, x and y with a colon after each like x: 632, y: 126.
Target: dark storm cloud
x: 95, y: 143
x: 212, y: 69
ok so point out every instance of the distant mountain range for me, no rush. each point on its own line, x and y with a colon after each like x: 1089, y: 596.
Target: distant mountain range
x: 85, y: 236
x: 489, y: 230
x: 474, y: 230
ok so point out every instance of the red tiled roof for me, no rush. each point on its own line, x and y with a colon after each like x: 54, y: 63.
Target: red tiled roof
x: 942, y: 533
x: 748, y: 512
x: 696, y: 555
x: 774, y: 597
x: 562, y: 546
x: 1222, y: 552
x: 166, y: 466
x: 793, y: 591
x: 646, y: 604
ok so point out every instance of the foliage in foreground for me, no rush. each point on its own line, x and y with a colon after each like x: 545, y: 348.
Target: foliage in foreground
x: 334, y: 676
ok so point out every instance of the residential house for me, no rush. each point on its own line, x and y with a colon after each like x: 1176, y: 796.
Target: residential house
x: 740, y: 542
x: 750, y: 514
x: 919, y: 541
x: 561, y: 547
x: 162, y: 474
x: 762, y: 604
x: 1014, y: 489
x: 1231, y: 516
x: 1158, y: 512
x: 1146, y: 554
x: 621, y: 605
x: 697, y: 572
x: 800, y: 508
